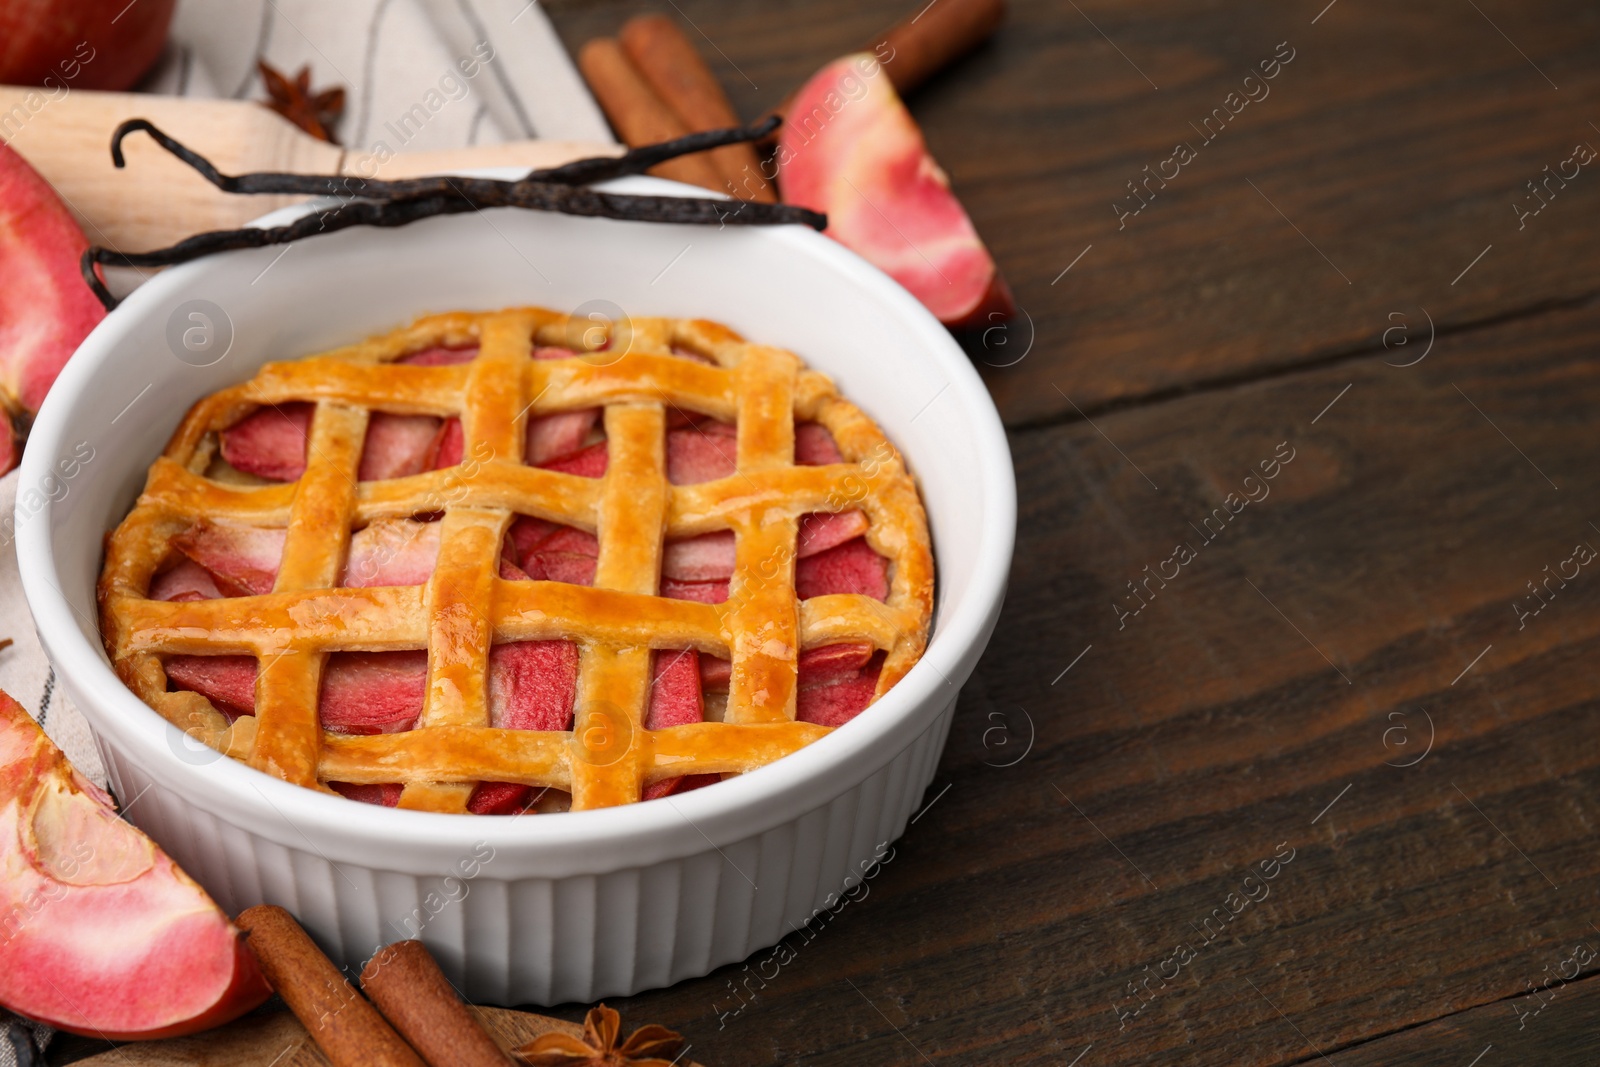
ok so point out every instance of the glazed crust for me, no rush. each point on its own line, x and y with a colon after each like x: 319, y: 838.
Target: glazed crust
x: 464, y: 608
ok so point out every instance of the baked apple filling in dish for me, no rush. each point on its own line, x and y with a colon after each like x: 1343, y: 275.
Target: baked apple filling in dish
x: 506, y: 562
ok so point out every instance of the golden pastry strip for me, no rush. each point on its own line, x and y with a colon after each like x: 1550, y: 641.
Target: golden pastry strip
x: 632, y: 371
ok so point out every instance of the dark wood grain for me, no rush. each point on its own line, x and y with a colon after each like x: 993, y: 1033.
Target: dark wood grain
x: 1277, y: 694
x: 1209, y: 733
x: 1341, y: 671
x: 1563, y: 1031
x: 1395, y: 141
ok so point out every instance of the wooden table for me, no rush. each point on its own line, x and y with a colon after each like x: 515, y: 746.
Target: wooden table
x: 1323, y: 788
x: 1340, y: 675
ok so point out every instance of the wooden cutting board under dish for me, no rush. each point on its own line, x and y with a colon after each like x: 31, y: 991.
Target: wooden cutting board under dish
x: 156, y: 200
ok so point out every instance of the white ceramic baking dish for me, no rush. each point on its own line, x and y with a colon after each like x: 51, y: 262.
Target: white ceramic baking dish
x: 540, y: 909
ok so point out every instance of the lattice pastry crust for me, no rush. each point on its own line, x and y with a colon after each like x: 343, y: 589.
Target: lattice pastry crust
x: 465, y: 606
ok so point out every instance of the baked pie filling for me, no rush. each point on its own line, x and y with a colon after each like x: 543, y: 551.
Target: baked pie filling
x: 504, y: 562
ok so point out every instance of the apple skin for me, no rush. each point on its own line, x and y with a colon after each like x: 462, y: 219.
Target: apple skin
x: 101, y: 934
x: 46, y: 310
x: 850, y: 149
x: 76, y: 43
x: 10, y: 451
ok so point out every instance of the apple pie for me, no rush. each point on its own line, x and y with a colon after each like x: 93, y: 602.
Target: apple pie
x: 511, y: 561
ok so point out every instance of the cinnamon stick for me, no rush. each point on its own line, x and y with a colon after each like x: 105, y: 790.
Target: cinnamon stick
x: 920, y: 46
x: 406, y: 984
x: 349, y: 1031
x: 672, y: 66
x: 637, y: 114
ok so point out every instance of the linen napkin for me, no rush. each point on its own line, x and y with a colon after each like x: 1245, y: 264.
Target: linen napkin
x: 26, y: 674
x: 392, y: 57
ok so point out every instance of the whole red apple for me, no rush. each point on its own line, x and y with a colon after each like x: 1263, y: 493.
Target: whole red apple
x: 45, y: 307
x: 81, y: 44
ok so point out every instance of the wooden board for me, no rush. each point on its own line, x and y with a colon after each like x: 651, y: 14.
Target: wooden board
x: 156, y: 200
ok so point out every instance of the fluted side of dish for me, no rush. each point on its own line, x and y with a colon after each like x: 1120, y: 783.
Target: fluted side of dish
x: 537, y: 940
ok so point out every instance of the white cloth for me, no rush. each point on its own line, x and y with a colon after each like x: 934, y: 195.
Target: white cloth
x: 25, y: 673
x: 389, y: 55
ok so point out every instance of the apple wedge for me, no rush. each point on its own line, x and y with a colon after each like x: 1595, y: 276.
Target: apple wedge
x: 849, y: 148
x: 101, y: 933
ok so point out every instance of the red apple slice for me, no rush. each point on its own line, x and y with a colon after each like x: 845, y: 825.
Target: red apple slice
x: 550, y: 552
x: 831, y: 663
x: 385, y: 795
x: 525, y: 535
x: 398, y: 445
x: 452, y: 445
x: 715, y: 673
x: 532, y: 685
x: 698, y: 568
x: 243, y: 559
x: 45, y: 309
x: 554, y: 436
x: 590, y: 462
x: 103, y: 934
x: 691, y: 565
x: 675, y: 700
x: 839, y: 696
x: 713, y: 592
x: 372, y: 692
x: 851, y: 149
x: 822, y: 530
x: 229, y: 682
x: 708, y: 557
x: 492, y: 798
x: 852, y: 567
x: 815, y: 665
x: 814, y: 446
x: 701, y: 453
x: 362, y: 692
x: 439, y: 356
x: 270, y: 442
x: 392, y: 552
x: 186, y: 581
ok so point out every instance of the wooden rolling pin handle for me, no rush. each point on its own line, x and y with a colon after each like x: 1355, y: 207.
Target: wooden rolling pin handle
x: 406, y: 984
x: 347, y: 1029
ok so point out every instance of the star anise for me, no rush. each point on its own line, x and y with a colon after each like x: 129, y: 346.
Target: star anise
x: 645, y: 1047
x: 315, y: 113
